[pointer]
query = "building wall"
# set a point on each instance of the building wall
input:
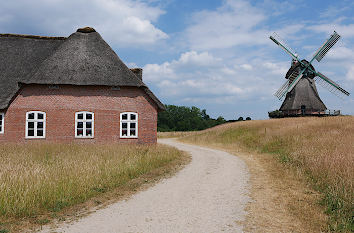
(61, 104)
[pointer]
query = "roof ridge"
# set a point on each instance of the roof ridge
(33, 36)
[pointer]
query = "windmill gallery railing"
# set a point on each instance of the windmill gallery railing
(302, 112)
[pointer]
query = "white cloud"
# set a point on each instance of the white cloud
(201, 59)
(341, 53)
(191, 78)
(276, 68)
(120, 22)
(246, 66)
(346, 31)
(156, 72)
(231, 24)
(350, 73)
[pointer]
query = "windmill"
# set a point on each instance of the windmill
(299, 90)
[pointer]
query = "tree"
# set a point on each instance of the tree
(248, 118)
(182, 118)
(240, 119)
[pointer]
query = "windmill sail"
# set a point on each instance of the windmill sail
(284, 88)
(330, 85)
(276, 39)
(327, 45)
(280, 93)
(296, 80)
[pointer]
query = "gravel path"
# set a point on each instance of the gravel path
(208, 195)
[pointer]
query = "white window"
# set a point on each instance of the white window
(35, 124)
(2, 122)
(84, 124)
(128, 125)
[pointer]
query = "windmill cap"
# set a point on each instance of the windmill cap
(86, 30)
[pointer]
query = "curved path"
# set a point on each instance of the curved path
(208, 195)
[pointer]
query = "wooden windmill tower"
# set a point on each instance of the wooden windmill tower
(301, 96)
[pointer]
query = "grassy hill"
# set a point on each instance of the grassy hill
(321, 149)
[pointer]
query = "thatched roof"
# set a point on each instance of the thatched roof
(20, 54)
(304, 93)
(83, 58)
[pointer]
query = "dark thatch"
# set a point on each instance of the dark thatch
(303, 94)
(84, 58)
(32, 36)
(20, 54)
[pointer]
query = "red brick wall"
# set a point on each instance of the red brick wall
(61, 104)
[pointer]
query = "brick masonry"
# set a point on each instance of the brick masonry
(61, 104)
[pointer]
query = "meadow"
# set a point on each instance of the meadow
(320, 149)
(42, 178)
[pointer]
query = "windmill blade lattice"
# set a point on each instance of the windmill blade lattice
(327, 45)
(330, 85)
(282, 90)
(281, 43)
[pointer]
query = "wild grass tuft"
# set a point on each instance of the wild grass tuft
(321, 148)
(37, 178)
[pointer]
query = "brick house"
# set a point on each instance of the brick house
(72, 89)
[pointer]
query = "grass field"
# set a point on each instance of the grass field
(321, 149)
(39, 178)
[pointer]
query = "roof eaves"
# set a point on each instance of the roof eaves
(32, 36)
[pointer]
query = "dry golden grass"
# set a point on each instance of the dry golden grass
(174, 134)
(321, 149)
(41, 178)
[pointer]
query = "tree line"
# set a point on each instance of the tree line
(182, 118)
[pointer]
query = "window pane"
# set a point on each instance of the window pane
(124, 132)
(124, 125)
(88, 116)
(30, 125)
(39, 133)
(40, 115)
(0, 127)
(80, 125)
(132, 117)
(0, 117)
(31, 116)
(125, 117)
(88, 132)
(132, 132)
(88, 125)
(79, 132)
(31, 132)
(39, 125)
(80, 116)
(132, 125)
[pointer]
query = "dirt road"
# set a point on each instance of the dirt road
(208, 195)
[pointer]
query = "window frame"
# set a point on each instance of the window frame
(2, 122)
(129, 121)
(36, 120)
(84, 124)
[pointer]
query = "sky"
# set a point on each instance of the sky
(212, 54)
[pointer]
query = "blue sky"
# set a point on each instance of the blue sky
(212, 54)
